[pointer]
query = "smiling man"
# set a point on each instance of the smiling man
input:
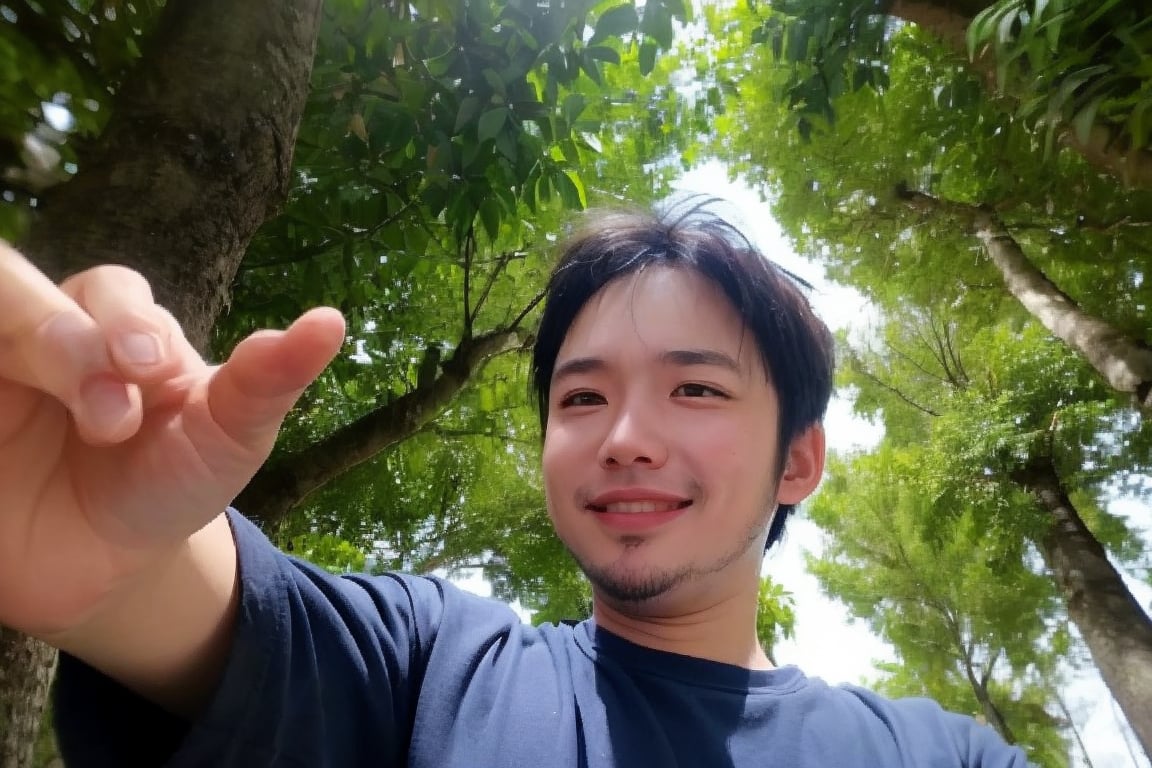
(682, 379)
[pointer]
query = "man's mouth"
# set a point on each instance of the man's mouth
(639, 507)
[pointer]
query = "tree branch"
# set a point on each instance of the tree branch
(502, 261)
(285, 481)
(469, 250)
(311, 252)
(859, 367)
(1123, 361)
(524, 312)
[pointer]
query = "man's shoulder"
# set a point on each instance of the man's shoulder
(919, 726)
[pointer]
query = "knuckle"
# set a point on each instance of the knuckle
(115, 277)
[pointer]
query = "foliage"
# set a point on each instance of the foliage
(776, 615)
(1064, 64)
(1071, 62)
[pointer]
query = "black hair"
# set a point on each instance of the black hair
(795, 345)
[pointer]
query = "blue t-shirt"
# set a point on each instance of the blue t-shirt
(400, 670)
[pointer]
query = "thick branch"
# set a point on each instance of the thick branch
(285, 482)
(1124, 362)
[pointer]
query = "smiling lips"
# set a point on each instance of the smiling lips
(636, 510)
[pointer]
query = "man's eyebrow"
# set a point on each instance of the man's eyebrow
(675, 357)
(689, 357)
(578, 365)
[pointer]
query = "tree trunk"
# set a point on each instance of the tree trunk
(197, 154)
(284, 482)
(26, 669)
(1124, 362)
(1114, 626)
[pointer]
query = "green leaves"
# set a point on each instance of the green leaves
(491, 122)
(615, 22)
(775, 615)
(940, 578)
(1074, 64)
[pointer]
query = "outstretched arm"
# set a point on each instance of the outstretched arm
(120, 447)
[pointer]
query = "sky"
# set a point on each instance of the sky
(827, 643)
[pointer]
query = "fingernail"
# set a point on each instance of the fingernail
(105, 402)
(138, 348)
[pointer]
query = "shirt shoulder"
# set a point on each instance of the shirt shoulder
(927, 734)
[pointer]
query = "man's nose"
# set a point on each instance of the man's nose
(635, 438)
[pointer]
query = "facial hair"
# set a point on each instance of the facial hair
(639, 588)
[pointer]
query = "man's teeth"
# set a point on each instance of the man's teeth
(636, 507)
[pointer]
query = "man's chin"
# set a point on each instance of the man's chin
(629, 587)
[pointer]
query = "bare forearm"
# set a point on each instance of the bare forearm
(167, 634)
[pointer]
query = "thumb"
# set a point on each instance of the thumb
(251, 393)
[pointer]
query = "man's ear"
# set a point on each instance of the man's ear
(804, 466)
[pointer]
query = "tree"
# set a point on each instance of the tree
(776, 617)
(420, 164)
(975, 627)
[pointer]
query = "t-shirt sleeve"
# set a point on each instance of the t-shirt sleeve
(927, 734)
(323, 671)
(982, 747)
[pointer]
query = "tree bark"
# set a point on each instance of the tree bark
(284, 482)
(197, 154)
(1116, 629)
(948, 22)
(1124, 362)
(26, 669)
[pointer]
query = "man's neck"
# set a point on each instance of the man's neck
(723, 631)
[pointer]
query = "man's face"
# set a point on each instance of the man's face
(660, 461)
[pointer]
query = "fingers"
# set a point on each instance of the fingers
(49, 343)
(266, 373)
(101, 345)
(138, 332)
(91, 343)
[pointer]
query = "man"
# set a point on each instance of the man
(682, 379)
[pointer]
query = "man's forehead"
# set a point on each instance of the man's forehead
(667, 308)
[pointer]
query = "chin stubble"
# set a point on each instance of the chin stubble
(635, 588)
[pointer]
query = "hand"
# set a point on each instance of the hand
(117, 440)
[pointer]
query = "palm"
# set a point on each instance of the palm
(80, 518)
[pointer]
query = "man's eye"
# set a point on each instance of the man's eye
(582, 399)
(697, 390)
